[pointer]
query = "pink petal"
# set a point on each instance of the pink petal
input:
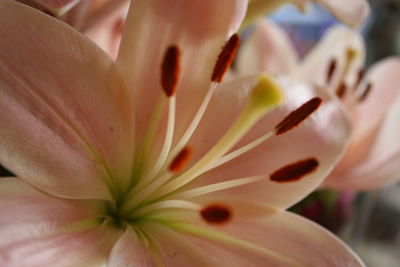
(130, 251)
(292, 238)
(370, 175)
(86, 248)
(65, 112)
(198, 29)
(385, 80)
(389, 131)
(269, 49)
(372, 158)
(333, 46)
(353, 12)
(298, 238)
(28, 213)
(57, 7)
(322, 136)
(33, 229)
(107, 34)
(180, 250)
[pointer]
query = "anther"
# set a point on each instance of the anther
(297, 116)
(118, 26)
(225, 58)
(351, 54)
(216, 214)
(180, 161)
(331, 70)
(341, 90)
(360, 76)
(170, 70)
(366, 92)
(295, 171)
(264, 96)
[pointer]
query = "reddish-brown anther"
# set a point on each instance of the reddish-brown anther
(330, 71)
(366, 92)
(360, 77)
(341, 90)
(170, 70)
(225, 58)
(181, 160)
(298, 115)
(295, 171)
(118, 26)
(216, 214)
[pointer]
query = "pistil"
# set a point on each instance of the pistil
(160, 187)
(264, 96)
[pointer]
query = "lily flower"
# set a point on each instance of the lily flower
(103, 20)
(370, 98)
(353, 13)
(104, 25)
(152, 160)
(56, 7)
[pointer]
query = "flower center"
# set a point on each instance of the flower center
(165, 185)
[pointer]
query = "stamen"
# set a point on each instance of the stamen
(331, 71)
(295, 171)
(166, 147)
(216, 214)
(264, 96)
(366, 92)
(341, 90)
(225, 58)
(180, 160)
(349, 57)
(170, 70)
(167, 204)
(140, 193)
(195, 122)
(118, 27)
(351, 54)
(234, 154)
(298, 116)
(360, 77)
(195, 192)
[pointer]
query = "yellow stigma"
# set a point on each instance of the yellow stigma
(265, 95)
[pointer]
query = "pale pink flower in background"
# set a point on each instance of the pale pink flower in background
(353, 12)
(84, 15)
(103, 20)
(106, 31)
(370, 97)
(56, 7)
(115, 166)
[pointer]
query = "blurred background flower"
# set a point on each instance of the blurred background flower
(368, 220)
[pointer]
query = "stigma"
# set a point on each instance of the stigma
(167, 177)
